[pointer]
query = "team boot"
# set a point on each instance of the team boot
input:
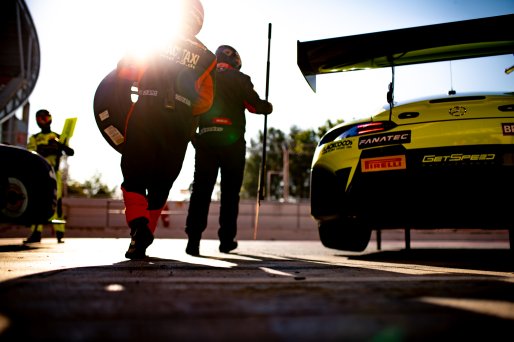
(141, 238)
(60, 237)
(193, 247)
(228, 246)
(34, 237)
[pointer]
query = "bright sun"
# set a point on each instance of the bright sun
(152, 24)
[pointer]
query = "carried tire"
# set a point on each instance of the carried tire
(28, 187)
(111, 105)
(344, 234)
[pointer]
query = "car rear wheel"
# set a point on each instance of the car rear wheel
(344, 234)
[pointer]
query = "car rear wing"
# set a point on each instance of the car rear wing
(482, 37)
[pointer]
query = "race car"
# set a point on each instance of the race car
(434, 162)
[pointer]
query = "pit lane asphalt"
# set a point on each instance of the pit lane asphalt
(85, 290)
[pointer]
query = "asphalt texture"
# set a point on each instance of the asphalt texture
(85, 290)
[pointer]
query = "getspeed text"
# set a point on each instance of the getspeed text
(457, 157)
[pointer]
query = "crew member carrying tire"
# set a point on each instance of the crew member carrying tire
(175, 87)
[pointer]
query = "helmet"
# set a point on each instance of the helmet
(192, 16)
(227, 54)
(43, 118)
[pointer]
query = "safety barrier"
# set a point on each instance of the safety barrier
(291, 221)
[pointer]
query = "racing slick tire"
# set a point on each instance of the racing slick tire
(111, 105)
(344, 234)
(28, 187)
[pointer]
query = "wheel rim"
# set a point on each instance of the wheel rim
(17, 198)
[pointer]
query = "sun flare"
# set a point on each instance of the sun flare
(152, 24)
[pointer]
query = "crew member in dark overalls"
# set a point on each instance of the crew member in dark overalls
(220, 145)
(175, 87)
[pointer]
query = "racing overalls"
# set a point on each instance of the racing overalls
(46, 143)
(220, 145)
(175, 87)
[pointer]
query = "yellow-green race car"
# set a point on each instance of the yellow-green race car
(436, 162)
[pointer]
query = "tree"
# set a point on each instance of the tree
(301, 151)
(292, 154)
(322, 130)
(93, 188)
(275, 139)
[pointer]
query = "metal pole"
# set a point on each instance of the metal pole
(285, 171)
(260, 194)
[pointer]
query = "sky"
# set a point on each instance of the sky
(82, 40)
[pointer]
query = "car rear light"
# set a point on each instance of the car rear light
(357, 130)
(371, 127)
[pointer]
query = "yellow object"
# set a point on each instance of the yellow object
(67, 131)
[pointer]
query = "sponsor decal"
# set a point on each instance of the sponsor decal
(182, 56)
(183, 99)
(222, 121)
(149, 92)
(458, 157)
(337, 145)
(210, 129)
(383, 163)
(402, 137)
(508, 128)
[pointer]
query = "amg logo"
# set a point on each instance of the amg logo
(402, 137)
(383, 163)
(508, 128)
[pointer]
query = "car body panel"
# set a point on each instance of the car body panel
(423, 131)
(453, 171)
